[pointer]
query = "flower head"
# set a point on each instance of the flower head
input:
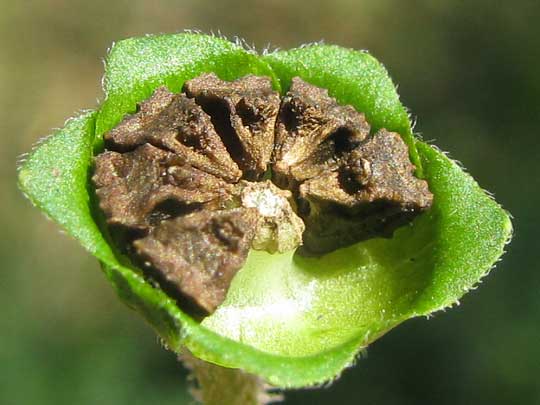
(295, 320)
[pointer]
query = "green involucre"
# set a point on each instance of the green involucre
(294, 321)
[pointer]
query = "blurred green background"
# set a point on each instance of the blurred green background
(468, 70)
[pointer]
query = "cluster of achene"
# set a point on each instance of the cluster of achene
(198, 178)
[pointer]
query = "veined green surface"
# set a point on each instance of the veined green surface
(294, 321)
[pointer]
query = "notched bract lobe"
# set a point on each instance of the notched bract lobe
(187, 177)
(244, 112)
(201, 252)
(131, 186)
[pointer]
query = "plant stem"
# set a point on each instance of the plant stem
(218, 385)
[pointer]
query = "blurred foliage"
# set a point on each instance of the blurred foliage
(468, 71)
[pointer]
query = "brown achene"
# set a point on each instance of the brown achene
(199, 178)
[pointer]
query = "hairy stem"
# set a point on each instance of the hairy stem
(216, 385)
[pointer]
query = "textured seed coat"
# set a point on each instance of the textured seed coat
(186, 177)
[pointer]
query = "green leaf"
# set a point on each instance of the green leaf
(295, 321)
(54, 178)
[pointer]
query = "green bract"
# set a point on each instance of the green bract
(295, 321)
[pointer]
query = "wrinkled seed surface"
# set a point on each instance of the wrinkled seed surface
(198, 178)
